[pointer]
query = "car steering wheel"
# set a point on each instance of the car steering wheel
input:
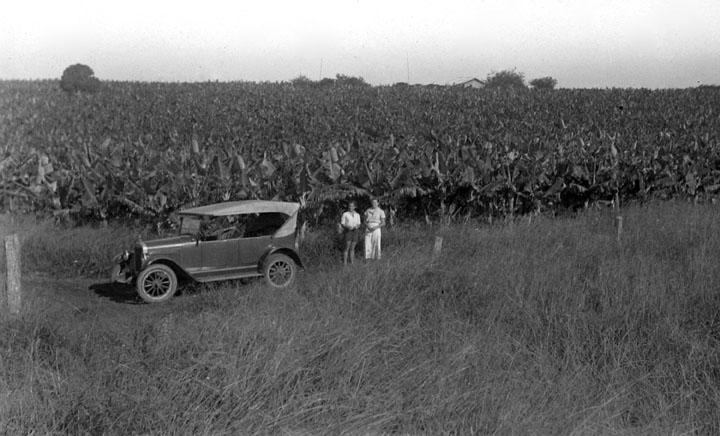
(226, 233)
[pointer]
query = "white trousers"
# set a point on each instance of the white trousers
(372, 244)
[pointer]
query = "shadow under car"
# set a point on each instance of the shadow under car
(118, 292)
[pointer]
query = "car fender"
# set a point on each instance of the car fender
(179, 271)
(281, 250)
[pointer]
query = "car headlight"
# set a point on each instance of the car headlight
(122, 257)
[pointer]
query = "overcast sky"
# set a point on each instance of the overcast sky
(588, 43)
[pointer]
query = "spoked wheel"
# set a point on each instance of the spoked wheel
(279, 271)
(157, 283)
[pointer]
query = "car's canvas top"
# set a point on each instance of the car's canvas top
(242, 207)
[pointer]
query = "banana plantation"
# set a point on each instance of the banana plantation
(144, 150)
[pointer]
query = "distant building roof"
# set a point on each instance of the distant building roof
(472, 83)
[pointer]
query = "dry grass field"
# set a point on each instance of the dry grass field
(546, 327)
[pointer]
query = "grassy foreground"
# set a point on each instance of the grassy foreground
(548, 327)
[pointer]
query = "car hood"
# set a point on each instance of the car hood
(175, 241)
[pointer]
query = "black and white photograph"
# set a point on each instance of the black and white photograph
(360, 217)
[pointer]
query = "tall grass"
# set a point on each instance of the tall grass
(549, 327)
(68, 251)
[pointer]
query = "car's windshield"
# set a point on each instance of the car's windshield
(190, 225)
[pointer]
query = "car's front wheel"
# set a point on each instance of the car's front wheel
(157, 283)
(279, 271)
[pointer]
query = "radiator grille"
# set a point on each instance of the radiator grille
(138, 257)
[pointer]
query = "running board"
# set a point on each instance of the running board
(234, 276)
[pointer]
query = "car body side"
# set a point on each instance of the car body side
(210, 260)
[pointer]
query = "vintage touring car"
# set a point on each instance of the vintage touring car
(223, 241)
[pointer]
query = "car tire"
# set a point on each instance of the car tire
(279, 271)
(157, 283)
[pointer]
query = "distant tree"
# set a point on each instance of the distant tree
(543, 83)
(326, 82)
(339, 80)
(344, 80)
(79, 78)
(505, 79)
(301, 81)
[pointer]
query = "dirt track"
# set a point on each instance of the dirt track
(94, 297)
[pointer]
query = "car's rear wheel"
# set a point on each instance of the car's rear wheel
(157, 283)
(279, 271)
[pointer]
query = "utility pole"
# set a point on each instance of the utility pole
(407, 63)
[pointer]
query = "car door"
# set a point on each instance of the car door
(220, 255)
(191, 258)
(258, 237)
(250, 250)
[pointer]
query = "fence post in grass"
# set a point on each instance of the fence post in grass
(11, 280)
(437, 247)
(3, 266)
(615, 157)
(512, 210)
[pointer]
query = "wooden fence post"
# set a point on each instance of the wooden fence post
(437, 248)
(3, 278)
(11, 282)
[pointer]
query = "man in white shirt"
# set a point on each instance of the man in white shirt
(350, 223)
(374, 221)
